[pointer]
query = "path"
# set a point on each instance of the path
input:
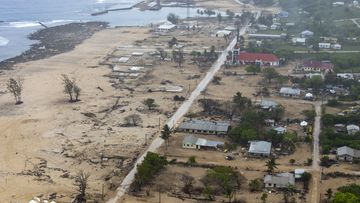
(355, 22)
(184, 108)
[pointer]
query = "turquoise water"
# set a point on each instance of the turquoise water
(19, 18)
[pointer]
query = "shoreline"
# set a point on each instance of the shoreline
(55, 40)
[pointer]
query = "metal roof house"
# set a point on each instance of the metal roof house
(280, 130)
(281, 180)
(290, 92)
(347, 154)
(191, 142)
(166, 27)
(268, 104)
(206, 127)
(352, 129)
(306, 34)
(259, 149)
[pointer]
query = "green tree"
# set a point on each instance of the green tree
(226, 179)
(253, 69)
(173, 18)
(191, 161)
(306, 177)
(264, 197)
(270, 74)
(255, 185)
(152, 164)
(241, 103)
(316, 82)
(230, 14)
(150, 103)
(208, 192)
(292, 161)
(219, 18)
(347, 197)
(271, 165)
(165, 135)
(178, 56)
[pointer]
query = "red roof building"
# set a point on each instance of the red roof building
(258, 58)
(317, 66)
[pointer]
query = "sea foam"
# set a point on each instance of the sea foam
(3, 41)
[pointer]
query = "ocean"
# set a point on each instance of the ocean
(19, 18)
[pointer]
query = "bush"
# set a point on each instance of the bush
(333, 102)
(179, 98)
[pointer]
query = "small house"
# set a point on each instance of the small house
(269, 122)
(338, 3)
(262, 27)
(309, 96)
(205, 127)
(290, 92)
(340, 128)
(323, 45)
(347, 76)
(336, 46)
(268, 105)
(347, 154)
(222, 33)
(166, 27)
(306, 34)
(259, 149)
(282, 180)
(191, 142)
(298, 41)
(279, 130)
(352, 129)
(299, 173)
(283, 14)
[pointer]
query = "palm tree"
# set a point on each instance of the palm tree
(271, 165)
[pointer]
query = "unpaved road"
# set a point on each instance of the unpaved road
(184, 108)
(316, 155)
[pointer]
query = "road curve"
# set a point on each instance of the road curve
(184, 108)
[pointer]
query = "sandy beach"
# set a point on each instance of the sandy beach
(50, 136)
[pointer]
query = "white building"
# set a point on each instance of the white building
(348, 76)
(306, 34)
(352, 129)
(299, 41)
(323, 45)
(282, 180)
(336, 46)
(290, 92)
(191, 142)
(166, 27)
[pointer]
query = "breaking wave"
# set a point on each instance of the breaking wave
(3, 41)
(26, 24)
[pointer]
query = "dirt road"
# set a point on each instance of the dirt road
(316, 176)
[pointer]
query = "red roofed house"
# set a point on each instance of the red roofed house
(316, 66)
(258, 58)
